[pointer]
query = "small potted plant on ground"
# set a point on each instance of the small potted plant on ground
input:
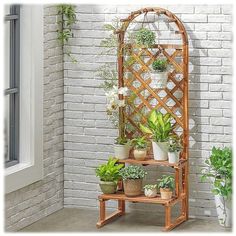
(219, 171)
(132, 180)
(145, 37)
(174, 148)
(122, 148)
(166, 186)
(150, 190)
(140, 148)
(160, 128)
(109, 175)
(159, 74)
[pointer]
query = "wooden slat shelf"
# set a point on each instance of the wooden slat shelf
(141, 198)
(151, 161)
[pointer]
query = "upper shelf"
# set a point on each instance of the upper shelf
(151, 161)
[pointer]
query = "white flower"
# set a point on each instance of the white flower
(121, 103)
(124, 91)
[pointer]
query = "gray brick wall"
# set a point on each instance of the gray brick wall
(31, 203)
(89, 135)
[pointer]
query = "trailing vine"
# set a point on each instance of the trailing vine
(68, 18)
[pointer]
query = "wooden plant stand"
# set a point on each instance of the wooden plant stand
(134, 62)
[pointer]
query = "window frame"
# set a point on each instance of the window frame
(13, 91)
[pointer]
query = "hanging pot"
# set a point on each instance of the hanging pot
(159, 80)
(121, 151)
(160, 150)
(224, 211)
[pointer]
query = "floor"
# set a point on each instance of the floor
(84, 220)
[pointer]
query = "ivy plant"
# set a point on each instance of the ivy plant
(145, 37)
(132, 172)
(219, 171)
(68, 18)
(166, 181)
(109, 172)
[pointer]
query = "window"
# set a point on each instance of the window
(12, 80)
(24, 146)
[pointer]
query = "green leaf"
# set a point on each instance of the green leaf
(145, 129)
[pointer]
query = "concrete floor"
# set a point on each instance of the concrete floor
(84, 220)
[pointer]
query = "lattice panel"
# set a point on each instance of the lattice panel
(143, 98)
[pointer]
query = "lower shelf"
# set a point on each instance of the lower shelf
(141, 198)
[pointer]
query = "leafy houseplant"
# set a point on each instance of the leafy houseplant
(159, 74)
(150, 190)
(132, 179)
(122, 148)
(219, 172)
(174, 148)
(109, 175)
(159, 128)
(145, 37)
(166, 186)
(140, 148)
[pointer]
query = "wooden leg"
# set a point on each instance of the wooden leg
(167, 217)
(103, 219)
(121, 206)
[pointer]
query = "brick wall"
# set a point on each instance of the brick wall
(88, 134)
(29, 204)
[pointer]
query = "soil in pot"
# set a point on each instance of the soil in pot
(108, 187)
(132, 187)
(140, 154)
(166, 193)
(121, 151)
(160, 150)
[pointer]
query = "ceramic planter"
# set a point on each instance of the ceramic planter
(166, 193)
(150, 192)
(159, 80)
(132, 187)
(160, 150)
(121, 151)
(224, 216)
(108, 187)
(140, 154)
(173, 157)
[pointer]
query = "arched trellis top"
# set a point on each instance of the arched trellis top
(171, 18)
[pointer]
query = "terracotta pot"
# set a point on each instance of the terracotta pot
(160, 150)
(132, 187)
(108, 187)
(150, 192)
(140, 154)
(121, 151)
(166, 193)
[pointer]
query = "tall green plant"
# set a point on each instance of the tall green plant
(68, 18)
(219, 171)
(158, 126)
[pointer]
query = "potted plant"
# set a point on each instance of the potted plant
(122, 148)
(219, 172)
(174, 148)
(140, 148)
(160, 128)
(109, 175)
(166, 186)
(145, 37)
(132, 180)
(150, 190)
(159, 73)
